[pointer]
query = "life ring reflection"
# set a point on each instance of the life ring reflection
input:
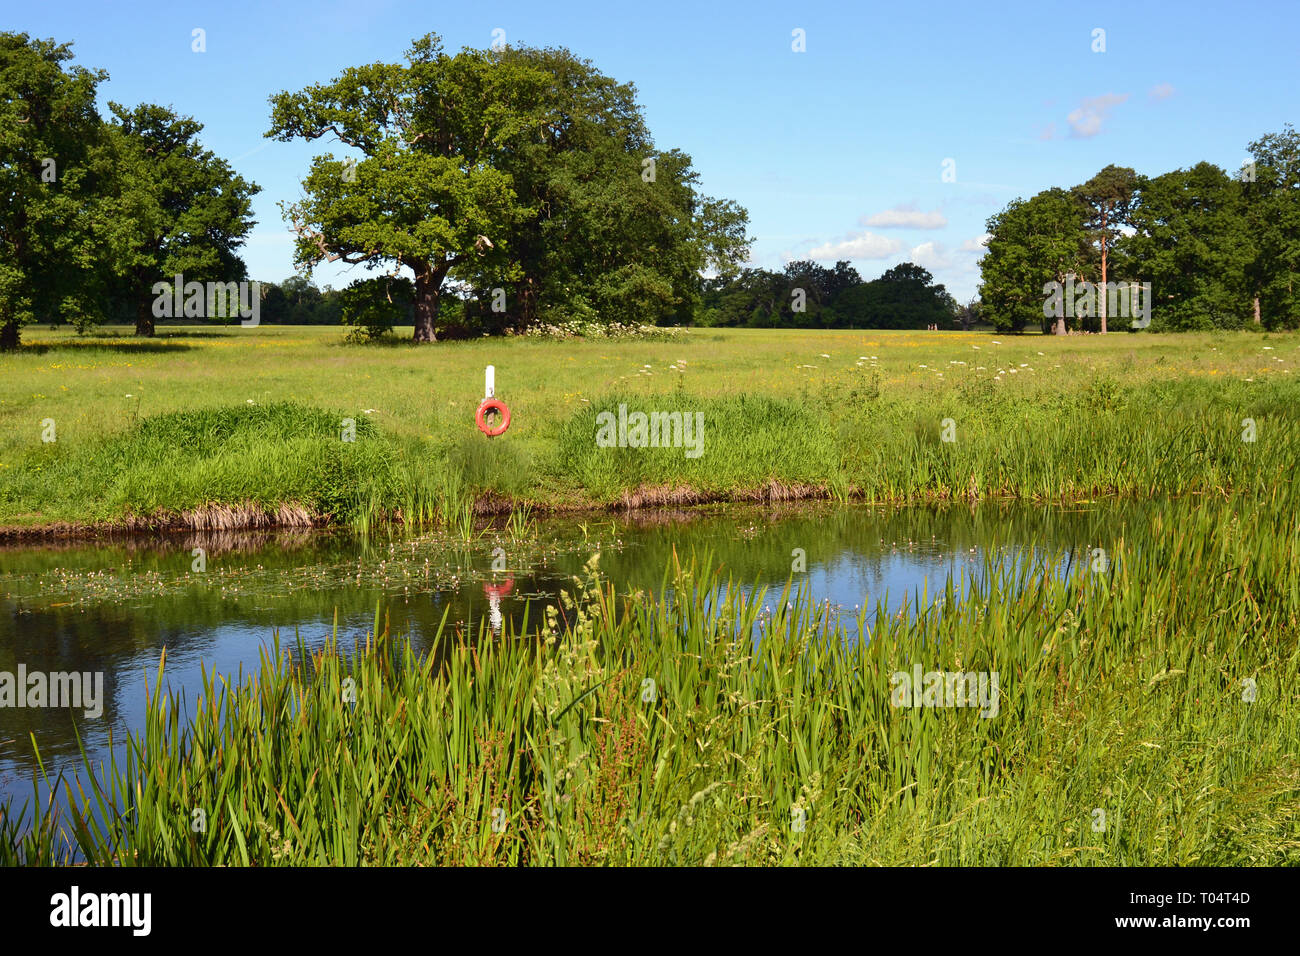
(495, 592)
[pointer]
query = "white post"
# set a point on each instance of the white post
(490, 382)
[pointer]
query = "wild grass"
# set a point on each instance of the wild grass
(786, 415)
(1149, 714)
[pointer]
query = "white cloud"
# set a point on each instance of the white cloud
(862, 245)
(905, 216)
(1161, 91)
(938, 257)
(933, 255)
(1087, 119)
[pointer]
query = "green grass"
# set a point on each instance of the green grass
(253, 455)
(745, 440)
(1067, 418)
(1164, 691)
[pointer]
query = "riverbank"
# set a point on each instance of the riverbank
(225, 428)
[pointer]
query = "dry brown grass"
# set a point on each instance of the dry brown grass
(670, 496)
(210, 518)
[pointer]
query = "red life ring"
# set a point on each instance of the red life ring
(499, 590)
(492, 404)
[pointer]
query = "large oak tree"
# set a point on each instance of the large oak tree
(425, 195)
(514, 169)
(621, 230)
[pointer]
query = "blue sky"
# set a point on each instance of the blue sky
(837, 152)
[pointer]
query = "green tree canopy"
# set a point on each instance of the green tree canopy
(622, 230)
(904, 297)
(425, 194)
(1032, 242)
(514, 169)
(1273, 204)
(1219, 251)
(180, 209)
(1193, 243)
(51, 175)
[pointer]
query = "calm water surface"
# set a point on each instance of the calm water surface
(111, 608)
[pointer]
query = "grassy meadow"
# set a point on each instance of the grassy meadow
(218, 427)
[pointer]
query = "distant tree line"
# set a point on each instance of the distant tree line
(809, 296)
(1219, 251)
(297, 301)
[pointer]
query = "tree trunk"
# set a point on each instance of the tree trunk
(9, 336)
(1059, 327)
(1257, 322)
(428, 292)
(144, 318)
(526, 296)
(1102, 289)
